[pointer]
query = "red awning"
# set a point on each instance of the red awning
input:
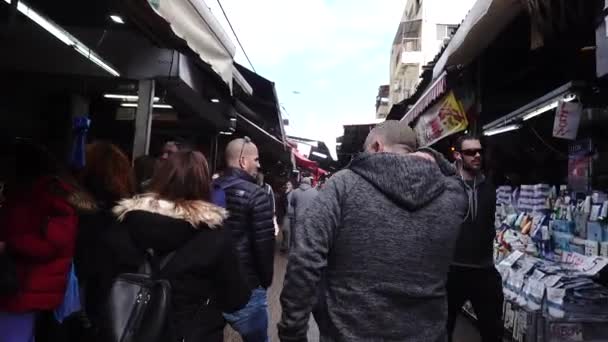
(434, 91)
(304, 162)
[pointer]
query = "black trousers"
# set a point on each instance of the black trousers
(483, 288)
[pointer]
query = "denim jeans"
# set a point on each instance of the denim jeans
(251, 322)
(17, 327)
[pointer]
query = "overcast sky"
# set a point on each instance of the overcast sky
(327, 57)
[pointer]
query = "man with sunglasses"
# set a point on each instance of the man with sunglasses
(252, 227)
(472, 276)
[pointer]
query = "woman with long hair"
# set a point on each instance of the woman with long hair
(177, 216)
(38, 224)
(108, 178)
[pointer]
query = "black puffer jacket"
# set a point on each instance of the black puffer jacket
(250, 221)
(204, 267)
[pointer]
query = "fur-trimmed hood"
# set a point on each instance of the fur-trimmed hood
(193, 212)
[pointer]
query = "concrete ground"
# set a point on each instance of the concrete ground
(465, 331)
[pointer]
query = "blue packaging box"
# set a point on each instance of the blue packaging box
(563, 226)
(595, 231)
(561, 241)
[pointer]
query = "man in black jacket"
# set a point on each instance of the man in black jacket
(473, 276)
(251, 224)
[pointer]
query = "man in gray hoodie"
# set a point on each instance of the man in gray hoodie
(373, 252)
(300, 200)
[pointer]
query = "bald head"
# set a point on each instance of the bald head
(243, 154)
(391, 136)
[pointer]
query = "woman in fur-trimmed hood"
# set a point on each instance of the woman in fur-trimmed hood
(177, 216)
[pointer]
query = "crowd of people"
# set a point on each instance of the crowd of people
(389, 249)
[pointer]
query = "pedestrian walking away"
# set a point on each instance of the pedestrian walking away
(300, 200)
(288, 218)
(251, 223)
(473, 276)
(373, 251)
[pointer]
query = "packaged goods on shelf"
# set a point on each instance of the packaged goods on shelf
(547, 299)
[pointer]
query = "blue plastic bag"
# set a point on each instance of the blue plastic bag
(71, 300)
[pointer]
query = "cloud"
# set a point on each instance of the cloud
(334, 52)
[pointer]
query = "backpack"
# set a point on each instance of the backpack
(138, 305)
(219, 190)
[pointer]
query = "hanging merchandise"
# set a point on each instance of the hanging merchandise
(443, 119)
(579, 165)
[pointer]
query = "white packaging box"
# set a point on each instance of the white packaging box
(592, 248)
(604, 249)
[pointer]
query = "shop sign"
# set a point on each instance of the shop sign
(567, 119)
(443, 119)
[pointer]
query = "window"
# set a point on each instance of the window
(445, 31)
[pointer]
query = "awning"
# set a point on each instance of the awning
(480, 27)
(433, 92)
(304, 162)
(192, 21)
(547, 102)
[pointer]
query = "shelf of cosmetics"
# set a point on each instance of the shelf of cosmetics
(554, 223)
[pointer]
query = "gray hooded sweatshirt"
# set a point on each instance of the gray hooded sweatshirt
(301, 199)
(381, 234)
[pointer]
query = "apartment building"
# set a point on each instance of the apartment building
(383, 102)
(425, 27)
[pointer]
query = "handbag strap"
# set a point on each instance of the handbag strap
(166, 260)
(149, 266)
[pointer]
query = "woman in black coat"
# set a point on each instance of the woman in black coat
(177, 216)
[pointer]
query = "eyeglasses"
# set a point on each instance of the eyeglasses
(472, 152)
(246, 140)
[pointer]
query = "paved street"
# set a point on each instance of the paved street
(465, 331)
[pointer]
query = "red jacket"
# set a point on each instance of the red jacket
(39, 227)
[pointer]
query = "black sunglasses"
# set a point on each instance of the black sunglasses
(472, 152)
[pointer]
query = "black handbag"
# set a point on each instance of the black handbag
(138, 305)
(9, 283)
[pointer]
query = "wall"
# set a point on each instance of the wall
(431, 13)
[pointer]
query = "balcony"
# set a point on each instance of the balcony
(409, 55)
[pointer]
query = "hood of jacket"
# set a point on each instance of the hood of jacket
(196, 213)
(305, 186)
(410, 181)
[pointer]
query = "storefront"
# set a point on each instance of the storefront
(144, 72)
(540, 108)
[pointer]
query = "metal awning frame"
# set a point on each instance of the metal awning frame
(517, 115)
